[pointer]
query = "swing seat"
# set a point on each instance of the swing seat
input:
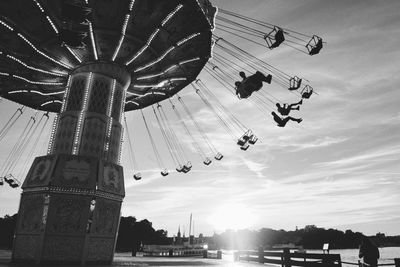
(294, 83)
(179, 168)
(248, 135)
(1, 181)
(137, 176)
(207, 161)
(186, 169)
(9, 179)
(219, 156)
(188, 165)
(252, 84)
(307, 92)
(14, 185)
(164, 172)
(253, 140)
(241, 141)
(274, 38)
(315, 45)
(245, 147)
(242, 91)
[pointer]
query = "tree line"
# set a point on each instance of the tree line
(133, 233)
(310, 237)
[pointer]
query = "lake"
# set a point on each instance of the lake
(351, 255)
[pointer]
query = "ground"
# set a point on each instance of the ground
(125, 259)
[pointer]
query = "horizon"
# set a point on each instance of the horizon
(337, 169)
(184, 234)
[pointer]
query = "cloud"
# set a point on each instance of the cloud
(380, 155)
(256, 167)
(339, 166)
(302, 144)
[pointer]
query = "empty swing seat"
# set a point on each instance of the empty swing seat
(219, 156)
(137, 176)
(9, 179)
(164, 172)
(187, 167)
(294, 83)
(245, 147)
(315, 45)
(253, 140)
(274, 38)
(207, 161)
(179, 168)
(307, 92)
(248, 135)
(241, 141)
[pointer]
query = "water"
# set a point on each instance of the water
(351, 255)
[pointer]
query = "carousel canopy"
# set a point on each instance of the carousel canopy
(163, 44)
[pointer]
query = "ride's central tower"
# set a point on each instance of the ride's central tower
(88, 62)
(70, 206)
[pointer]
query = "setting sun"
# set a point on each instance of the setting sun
(232, 216)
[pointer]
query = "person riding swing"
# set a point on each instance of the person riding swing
(250, 84)
(315, 45)
(275, 38)
(285, 109)
(282, 121)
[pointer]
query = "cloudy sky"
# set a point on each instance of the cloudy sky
(339, 168)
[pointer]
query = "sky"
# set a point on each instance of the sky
(338, 169)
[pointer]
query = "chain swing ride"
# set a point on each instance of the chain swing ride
(85, 63)
(45, 77)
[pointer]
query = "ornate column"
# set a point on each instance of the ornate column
(70, 206)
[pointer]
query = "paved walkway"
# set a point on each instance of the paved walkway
(124, 259)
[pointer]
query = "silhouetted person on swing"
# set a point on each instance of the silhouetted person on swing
(282, 121)
(315, 49)
(250, 84)
(279, 39)
(369, 252)
(285, 109)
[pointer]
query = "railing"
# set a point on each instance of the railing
(286, 258)
(289, 259)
